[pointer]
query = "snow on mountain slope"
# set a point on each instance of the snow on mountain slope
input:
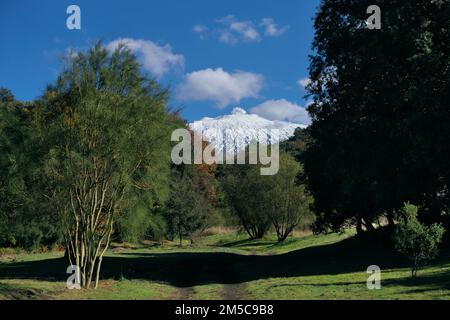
(233, 132)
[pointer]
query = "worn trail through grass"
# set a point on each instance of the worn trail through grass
(229, 266)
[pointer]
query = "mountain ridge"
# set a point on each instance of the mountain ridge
(232, 132)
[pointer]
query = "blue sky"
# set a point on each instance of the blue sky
(213, 55)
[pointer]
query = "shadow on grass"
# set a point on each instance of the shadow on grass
(423, 283)
(16, 293)
(247, 243)
(190, 269)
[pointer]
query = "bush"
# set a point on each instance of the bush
(28, 230)
(134, 224)
(415, 240)
(157, 228)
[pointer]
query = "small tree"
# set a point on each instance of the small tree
(106, 130)
(246, 193)
(188, 208)
(289, 202)
(417, 241)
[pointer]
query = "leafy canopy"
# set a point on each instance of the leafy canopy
(416, 240)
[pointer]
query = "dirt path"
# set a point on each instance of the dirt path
(24, 294)
(234, 291)
(183, 294)
(233, 286)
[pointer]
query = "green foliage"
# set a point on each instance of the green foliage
(245, 189)
(24, 220)
(297, 144)
(103, 117)
(104, 131)
(188, 208)
(141, 223)
(380, 113)
(415, 240)
(288, 201)
(260, 201)
(12, 187)
(157, 228)
(134, 224)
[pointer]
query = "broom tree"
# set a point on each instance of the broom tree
(107, 133)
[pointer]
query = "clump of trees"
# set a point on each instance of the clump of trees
(261, 202)
(379, 133)
(415, 240)
(89, 163)
(26, 220)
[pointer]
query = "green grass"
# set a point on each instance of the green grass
(229, 266)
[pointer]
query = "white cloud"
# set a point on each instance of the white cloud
(246, 29)
(282, 110)
(200, 28)
(237, 30)
(227, 37)
(272, 29)
(233, 30)
(158, 60)
(304, 82)
(220, 86)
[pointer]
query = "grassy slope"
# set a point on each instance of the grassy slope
(227, 266)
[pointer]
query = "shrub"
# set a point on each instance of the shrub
(416, 240)
(134, 224)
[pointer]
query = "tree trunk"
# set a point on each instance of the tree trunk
(359, 228)
(87, 241)
(283, 237)
(97, 276)
(369, 226)
(390, 218)
(415, 267)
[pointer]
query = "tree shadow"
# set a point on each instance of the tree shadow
(17, 293)
(190, 269)
(422, 283)
(247, 243)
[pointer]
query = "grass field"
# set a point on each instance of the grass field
(228, 266)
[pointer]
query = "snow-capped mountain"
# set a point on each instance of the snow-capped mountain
(233, 132)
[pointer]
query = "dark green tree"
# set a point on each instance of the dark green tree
(12, 184)
(190, 206)
(379, 111)
(25, 221)
(297, 144)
